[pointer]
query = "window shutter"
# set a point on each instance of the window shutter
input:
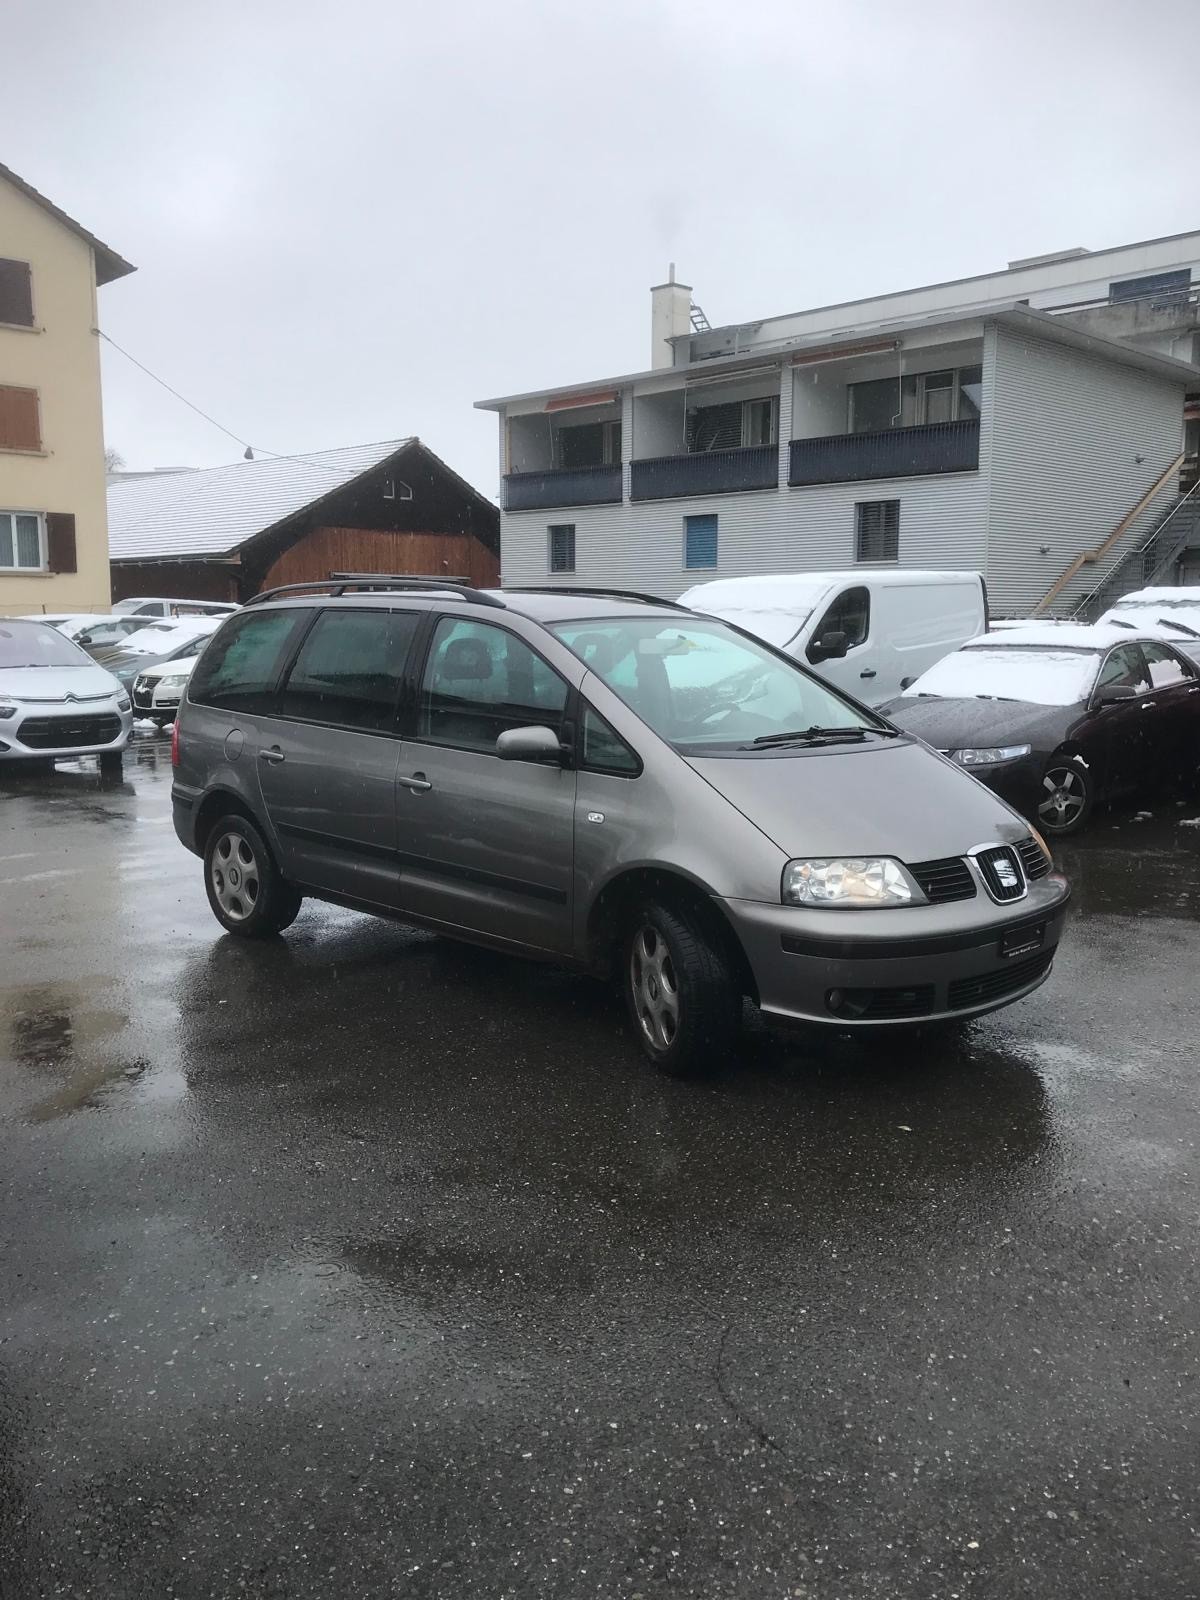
(16, 293)
(20, 425)
(60, 541)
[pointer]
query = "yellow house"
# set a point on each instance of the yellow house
(53, 520)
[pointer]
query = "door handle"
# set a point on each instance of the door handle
(418, 783)
(1149, 705)
(867, 672)
(274, 755)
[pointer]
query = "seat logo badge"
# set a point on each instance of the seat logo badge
(1006, 873)
(595, 816)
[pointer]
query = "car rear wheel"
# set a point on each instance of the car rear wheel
(680, 992)
(1067, 796)
(247, 895)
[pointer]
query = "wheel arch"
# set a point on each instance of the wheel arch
(610, 911)
(222, 802)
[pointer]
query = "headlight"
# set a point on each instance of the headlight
(172, 680)
(123, 703)
(988, 758)
(8, 708)
(857, 881)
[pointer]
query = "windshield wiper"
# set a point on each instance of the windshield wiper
(1181, 627)
(819, 735)
(1009, 699)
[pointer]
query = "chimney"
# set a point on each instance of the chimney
(670, 315)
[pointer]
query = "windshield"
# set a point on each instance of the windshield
(703, 687)
(1043, 676)
(32, 644)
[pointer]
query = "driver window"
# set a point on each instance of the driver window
(850, 614)
(480, 681)
(1125, 668)
(1167, 670)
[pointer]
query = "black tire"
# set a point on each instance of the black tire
(680, 992)
(112, 765)
(1070, 794)
(247, 895)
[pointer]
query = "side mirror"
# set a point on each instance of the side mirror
(830, 646)
(530, 744)
(84, 640)
(1114, 694)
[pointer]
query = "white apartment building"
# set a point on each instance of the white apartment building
(1038, 424)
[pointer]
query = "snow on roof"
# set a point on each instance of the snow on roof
(1180, 595)
(213, 511)
(1054, 636)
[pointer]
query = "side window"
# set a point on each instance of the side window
(604, 750)
(349, 668)
(1167, 670)
(850, 614)
(1125, 668)
(239, 667)
(480, 681)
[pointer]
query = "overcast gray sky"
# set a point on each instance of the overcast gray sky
(353, 219)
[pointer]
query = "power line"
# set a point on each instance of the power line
(165, 385)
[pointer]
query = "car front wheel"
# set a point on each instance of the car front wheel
(1067, 796)
(680, 992)
(247, 895)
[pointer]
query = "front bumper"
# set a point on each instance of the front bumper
(1019, 782)
(51, 732)
(862, 969)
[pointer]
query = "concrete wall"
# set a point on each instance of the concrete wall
(1074, 443)
(59, 358)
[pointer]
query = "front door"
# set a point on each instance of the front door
(486, 845)
(857, 670)
(1118, 733)
(328, 757)
(1172, 714)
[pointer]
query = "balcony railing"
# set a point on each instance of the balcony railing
(562, 486)
(891, 453)
(705, 472)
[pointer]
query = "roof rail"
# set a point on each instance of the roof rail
(338, 583)
(601, 594)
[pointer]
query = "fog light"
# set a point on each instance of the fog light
(834, 1000)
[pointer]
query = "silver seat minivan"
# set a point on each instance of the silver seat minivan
(612, 782)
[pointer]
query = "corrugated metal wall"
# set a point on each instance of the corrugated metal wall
(788, 530)
(1062, 458)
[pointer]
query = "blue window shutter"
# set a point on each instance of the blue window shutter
(700, 541)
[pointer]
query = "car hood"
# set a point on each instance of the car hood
(56, 683)
(889, 799)
(980, 724)
(169, 669)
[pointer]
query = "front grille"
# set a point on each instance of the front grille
(1001, 871)
(1033, 859)
(67, 733)
(881, 1005)
(143, 694)
(966, 992)
(945, 880)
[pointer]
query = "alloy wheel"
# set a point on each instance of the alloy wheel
(1064, 798)
(655, 987)
(235, 875)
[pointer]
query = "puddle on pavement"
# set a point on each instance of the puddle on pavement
(84, 1089)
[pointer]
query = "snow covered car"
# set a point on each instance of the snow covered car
(159, 641)
(93, 630)
(55, 701)
(1058, 719)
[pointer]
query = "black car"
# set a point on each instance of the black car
(1058, 718)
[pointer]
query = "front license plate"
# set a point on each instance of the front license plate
(1022, 941)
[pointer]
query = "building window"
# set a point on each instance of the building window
(733, 426)
(16, 293)
(22, 542)
(588, 444)
(20, 421)
(700, 541)
(877, 530)
(1157, 286)
(562, 547)
(918, 399)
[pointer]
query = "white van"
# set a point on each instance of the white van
(870, 633)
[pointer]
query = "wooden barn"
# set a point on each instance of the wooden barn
(224, 533)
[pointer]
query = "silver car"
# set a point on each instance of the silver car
(610, 782)
(55, 701)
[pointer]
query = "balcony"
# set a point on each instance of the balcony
(562, 486)
(891, 453)
(705, 472)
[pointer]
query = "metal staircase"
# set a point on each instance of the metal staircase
(1177, 530)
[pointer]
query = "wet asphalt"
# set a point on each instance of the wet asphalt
(362, 1264)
